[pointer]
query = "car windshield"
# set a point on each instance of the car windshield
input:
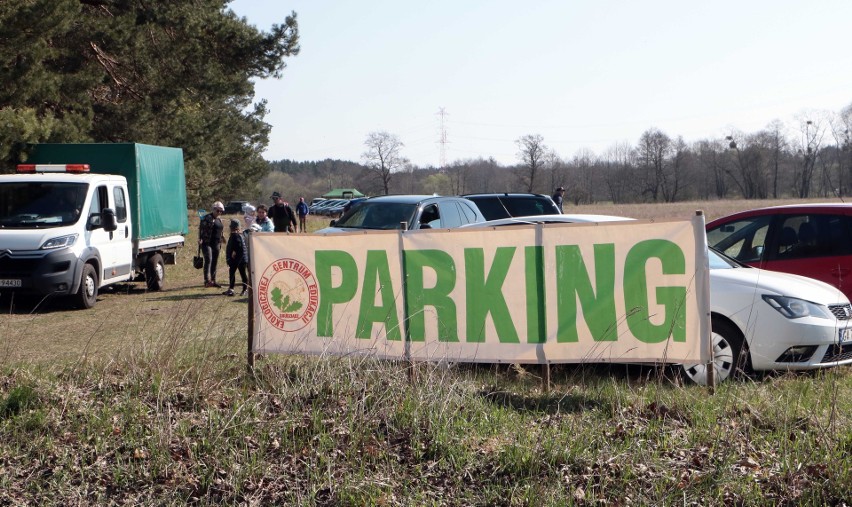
(496, 207)
(38, 205)
(721, 261)
(377, 215)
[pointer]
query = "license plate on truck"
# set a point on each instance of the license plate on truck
(845, 336)
(7, 282)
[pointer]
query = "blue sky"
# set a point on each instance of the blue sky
(583, 74)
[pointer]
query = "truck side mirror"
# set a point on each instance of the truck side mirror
(108, 219)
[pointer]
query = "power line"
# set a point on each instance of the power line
(443, 139)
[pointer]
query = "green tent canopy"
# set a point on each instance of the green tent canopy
(342, 193)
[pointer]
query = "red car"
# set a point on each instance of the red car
(813, 240)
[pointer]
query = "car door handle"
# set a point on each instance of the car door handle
(840, 272)
(126, 231)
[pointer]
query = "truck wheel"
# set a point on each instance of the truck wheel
(155, 273)
(87, 295)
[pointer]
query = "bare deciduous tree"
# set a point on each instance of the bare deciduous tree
(584, 171)
(531, 153)
(747, 170)
(812, 132)
(711, 161)
(654, 148)
(618, 167)
(383, 157)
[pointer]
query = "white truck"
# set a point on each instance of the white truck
(78, 217)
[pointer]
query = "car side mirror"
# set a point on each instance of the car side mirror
(108, 219)
(425, 226)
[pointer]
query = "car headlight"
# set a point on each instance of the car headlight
(60, 242)
(795, 308)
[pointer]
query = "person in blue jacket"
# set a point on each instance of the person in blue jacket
(302, 210)
(262, 223)
(237, 258)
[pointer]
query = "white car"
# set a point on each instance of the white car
(761, 320)
(550, 219)
(765, 320)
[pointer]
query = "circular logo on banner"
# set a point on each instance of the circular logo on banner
(288, 294)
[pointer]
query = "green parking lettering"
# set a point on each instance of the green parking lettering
(377, 278)
(536, 308)
(324, 261)
(636, 291)
(573, 283)
(484, 295)
(418, 297)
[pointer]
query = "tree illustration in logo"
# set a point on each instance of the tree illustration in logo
(283, 302)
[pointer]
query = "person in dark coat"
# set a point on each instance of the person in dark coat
(558, 197)
(210, 239)
(282, 214)
(237, 258)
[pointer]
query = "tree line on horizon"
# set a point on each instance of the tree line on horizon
(809, 157)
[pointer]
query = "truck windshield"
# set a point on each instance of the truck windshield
(38, 205)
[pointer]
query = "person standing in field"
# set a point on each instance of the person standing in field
(302, 210)
(210, 238)
(236, 255)
(559, 197)
(282, 214)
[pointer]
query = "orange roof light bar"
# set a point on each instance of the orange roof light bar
(53, 168)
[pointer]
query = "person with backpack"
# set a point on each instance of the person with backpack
(282, 214)
(210, 238)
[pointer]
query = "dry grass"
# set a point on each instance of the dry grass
(684, 210)
(146, 400)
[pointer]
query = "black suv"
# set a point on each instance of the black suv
(235, 207)
(497, 206)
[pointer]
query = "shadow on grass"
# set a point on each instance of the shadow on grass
(562, 397)
(183, 297)
(12, 303)
(28, 304)
(552, 403)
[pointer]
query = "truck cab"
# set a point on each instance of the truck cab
(53, 234)
(67, 231)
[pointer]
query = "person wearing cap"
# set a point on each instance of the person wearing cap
(282, 214)
(558, 197)
(236, 255)
(210, 238)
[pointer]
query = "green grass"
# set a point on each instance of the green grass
(146, 399)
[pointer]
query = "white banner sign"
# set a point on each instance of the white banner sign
(608, 292)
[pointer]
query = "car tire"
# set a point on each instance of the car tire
(155, 273)
(730, 357)
(87, 294)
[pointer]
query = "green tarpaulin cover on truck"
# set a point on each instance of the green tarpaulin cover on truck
(155, 179)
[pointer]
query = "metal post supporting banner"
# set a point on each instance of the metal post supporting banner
(711, 366)
(250, 353)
